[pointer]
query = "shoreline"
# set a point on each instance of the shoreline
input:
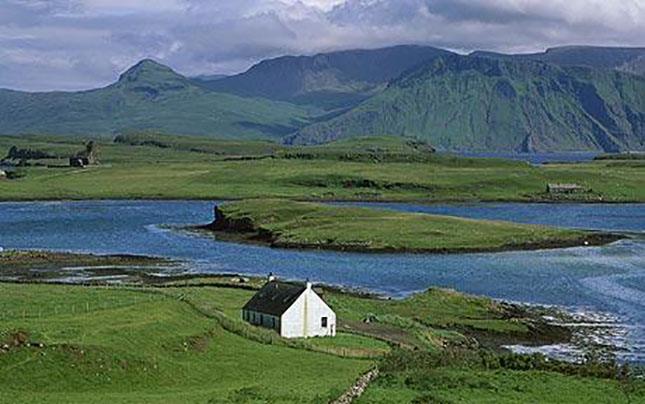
(594, 239)
(549, 325)
(538, 333)
(416, 201)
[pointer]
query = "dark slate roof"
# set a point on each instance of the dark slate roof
(275, 298)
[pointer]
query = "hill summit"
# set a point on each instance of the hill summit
(151, 77)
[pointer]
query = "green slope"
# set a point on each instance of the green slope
(148, 96)
(105, 345)
(476, 103)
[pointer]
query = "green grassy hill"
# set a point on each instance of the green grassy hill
(148, 96)
(126, 346)
(471, 103)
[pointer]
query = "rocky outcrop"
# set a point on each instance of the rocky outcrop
(228, 224)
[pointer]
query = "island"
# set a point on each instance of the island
(308, 225)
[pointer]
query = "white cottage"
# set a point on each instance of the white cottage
(294, 310)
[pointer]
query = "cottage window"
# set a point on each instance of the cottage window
(273, 321)
(323, 322)
(261, 319)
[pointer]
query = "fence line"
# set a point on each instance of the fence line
(79, 307)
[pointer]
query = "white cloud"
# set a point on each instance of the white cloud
(73, 44)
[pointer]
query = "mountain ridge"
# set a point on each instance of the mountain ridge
(625, 59)
(330, 80)
(480, 103)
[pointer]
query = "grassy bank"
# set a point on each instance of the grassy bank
(289, 224)
(81, 344)
(375, 168)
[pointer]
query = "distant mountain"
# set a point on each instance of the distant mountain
(571, 98)
(629, 60)
(502, 104)
(329, 80)
(147, 96)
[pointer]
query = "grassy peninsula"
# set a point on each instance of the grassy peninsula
(290, 224)
(373, 168)
(30, 265)
(35, 259)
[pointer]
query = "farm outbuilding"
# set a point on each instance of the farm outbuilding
(563, 188)
(79, 162)
(293, 310)
(3, 175)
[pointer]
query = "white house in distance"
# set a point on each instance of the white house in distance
(294, 310)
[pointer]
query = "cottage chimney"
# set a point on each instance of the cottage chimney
(271, 277)
(309, 285)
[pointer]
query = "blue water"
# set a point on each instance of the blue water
(629, 217)
(535, 158)
(609, 279)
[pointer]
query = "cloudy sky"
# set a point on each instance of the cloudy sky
(79, 44)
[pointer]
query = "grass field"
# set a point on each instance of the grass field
(311, 225)
(80, 344)
(460, 376)
(459, 385)
(129, 347)
(375, 168)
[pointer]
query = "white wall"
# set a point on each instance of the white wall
(293, 319)
(303, 318)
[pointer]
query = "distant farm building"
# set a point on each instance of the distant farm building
(563, 188)
(90, 155)
(3, 175)
(293, 310)
(79, 162)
